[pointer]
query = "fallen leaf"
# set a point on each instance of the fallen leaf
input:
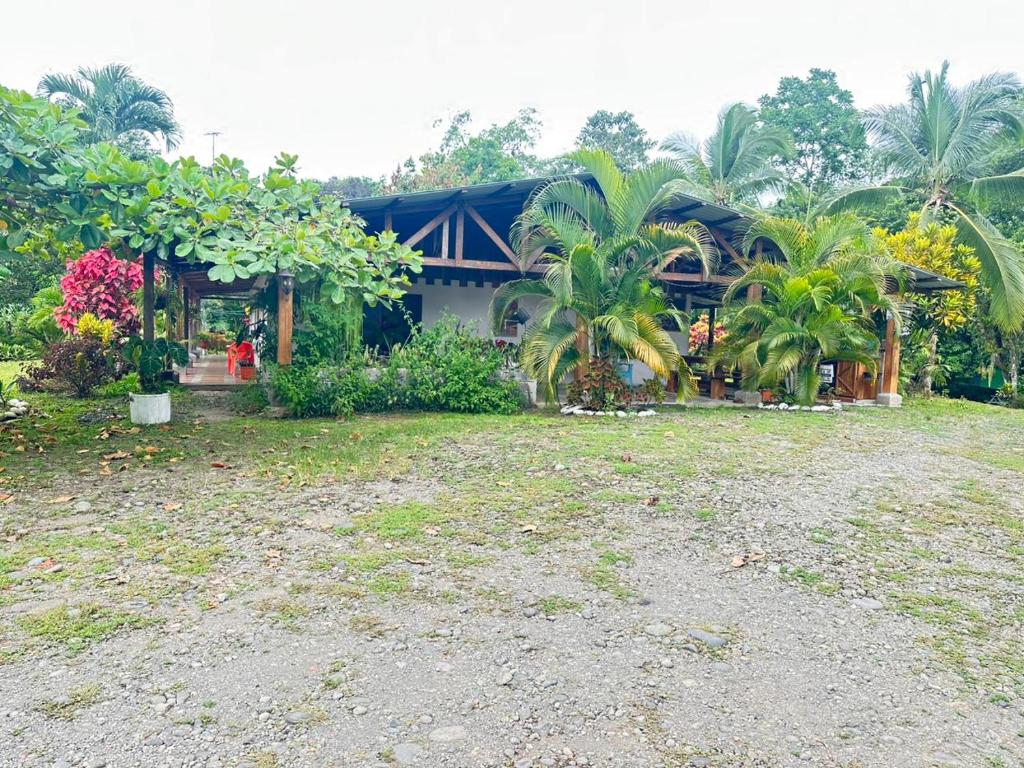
(84, 450)
(171, 506)
(651, 501)
(528, 528)
(218, 465)
(116, 455)
(739, 561)
(5, 497)
(416, 561)
(627, 458)
(62, 499)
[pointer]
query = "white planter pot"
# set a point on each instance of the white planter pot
(150, 409)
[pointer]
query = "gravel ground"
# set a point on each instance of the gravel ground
(732, 590)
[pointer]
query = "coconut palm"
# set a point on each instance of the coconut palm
(118, 107)
(734, 166)
(817, 302)
(942, 145)
(603, 249)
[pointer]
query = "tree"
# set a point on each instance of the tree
(933, 247)
(237, 224)
(734, 165)
(941, 145)
(618, 134)
(498, 153)
(817, 303)
(118, 107)
(350, 187)
(830, 147)
(603, 249)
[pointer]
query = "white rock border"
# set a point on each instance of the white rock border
(579, 410)
(836, 406)
(15, 410)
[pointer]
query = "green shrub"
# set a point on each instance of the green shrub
(252, 398)
(16, 352)
(122, 387)
(445, 368)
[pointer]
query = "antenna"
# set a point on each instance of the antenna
(213, 144)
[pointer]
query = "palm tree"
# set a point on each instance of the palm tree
(118, 107)
(942, 145)
(817, 303)
(734, 166)
(603, 249)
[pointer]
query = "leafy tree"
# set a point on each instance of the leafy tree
(933, 247)
(618, 134)
(350, 187)
(941, 145)
(817, 303)
(736, 164)
(238, 224)
(498, 153)
(603, 249)
(830, 147)
(118, 107)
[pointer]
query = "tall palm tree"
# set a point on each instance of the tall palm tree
(118, 107)
(942, 145)
(734, 166)
(603, 249)
(817, 302)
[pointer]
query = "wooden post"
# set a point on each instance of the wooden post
(186, 315)
(180, 326)
(444, 239)
(285, 289)
(148, 296)
(888, 385)
(460, 233)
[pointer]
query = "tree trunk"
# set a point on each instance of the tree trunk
(582, 347)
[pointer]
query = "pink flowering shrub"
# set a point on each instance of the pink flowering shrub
(99, 283)
(699, 333)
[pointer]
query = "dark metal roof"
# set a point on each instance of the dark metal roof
(923, 281)
(498, 191)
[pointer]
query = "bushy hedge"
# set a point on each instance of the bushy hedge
(444, 368)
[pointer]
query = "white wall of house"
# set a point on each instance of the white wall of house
(470, 303)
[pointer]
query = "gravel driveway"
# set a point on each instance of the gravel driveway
(733, 589)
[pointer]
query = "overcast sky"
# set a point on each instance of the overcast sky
(355, 87)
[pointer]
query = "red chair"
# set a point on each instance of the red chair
(245, 357)
(232, 351)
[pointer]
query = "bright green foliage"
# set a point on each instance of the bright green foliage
(239, 224)
(829, 141)
(941, 145)
(618, 134)
(603, 251)
(817, 303)
(735, 165)
(444, 368)
(498, 153)
(151, 358)
(118, 107)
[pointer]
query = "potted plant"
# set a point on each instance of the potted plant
(247, 370)
(151, 359)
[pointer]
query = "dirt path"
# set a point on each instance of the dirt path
(564, 596)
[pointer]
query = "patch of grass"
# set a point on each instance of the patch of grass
(555, 604)
(67, 707)
(705, 514)
(627, 468)
(79, 626)
(941, 611)
(385, 585)
(286, 613)
(462, 560)
(810, 579)
(402, 522)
